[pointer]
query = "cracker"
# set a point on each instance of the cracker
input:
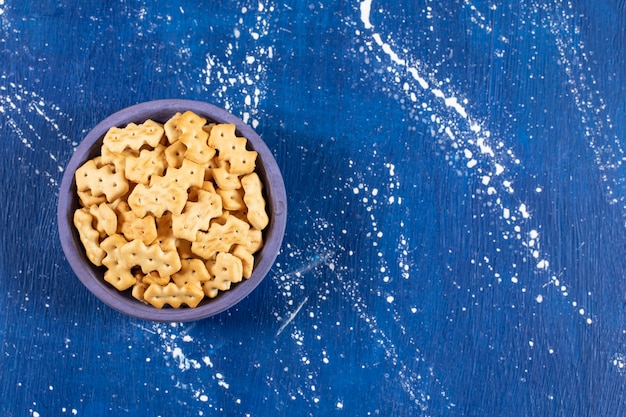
(254, 240)
(105, 219)
(89, 237)
(151, 258)
(167, 193)
(232, 149)
(192, 270)
(232, 200)
(135, 227)
(87, 200)
(118, 271)
(157, 199)
(173, 211)
(165, 237)
(139, 289)
(197, 216)
(224, 178)
(116, 159)
(154, 278)
(194, 137)
(133, 136)
(171, 130)
(190, 294)
(220, 237)
(253, 197)
(175, 154)
(149, 163)
(225, 270)
(101, 181)
(247, 259)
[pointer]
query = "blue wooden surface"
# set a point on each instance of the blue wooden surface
(456, 242)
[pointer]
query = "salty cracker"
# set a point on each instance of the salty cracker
(135, 227)
(253, 197)
(166, 193)
(220, 237)
(153, 278)
(116, 159)
(105, 219)
(118, 271)
(139, 288)
(189, 174)
(247, 259)
(254, 240)
(197, 215)
(190, 294)
(194, 137)
(151, 258)
(101, 181)
(175, 154)
(165, 237)
(89, 236)
(187, 128)
(171, 128)
(225, 270)
(192, 270)
(224, 178)
(88, 200)
(232, 200)
(149, 163)
(157, 199)
(133, 136)
(232, 148)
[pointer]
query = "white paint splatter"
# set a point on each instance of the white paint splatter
(609, 153)
(473, 136)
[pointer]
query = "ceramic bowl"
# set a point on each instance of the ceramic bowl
(92, 276)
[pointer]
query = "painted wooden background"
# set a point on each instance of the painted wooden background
(455, 171)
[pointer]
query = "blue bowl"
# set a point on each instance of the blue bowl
(93, 276)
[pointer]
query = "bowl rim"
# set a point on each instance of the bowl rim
(90, 275)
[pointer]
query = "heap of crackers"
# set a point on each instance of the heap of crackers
(174, 211)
